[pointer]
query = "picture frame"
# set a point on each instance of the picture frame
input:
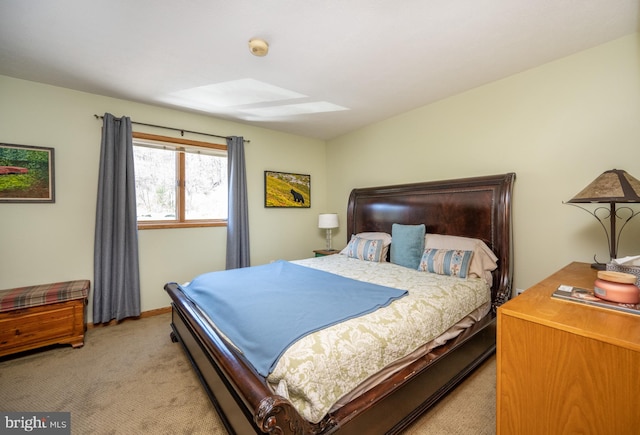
(27, 174)
(287, 190)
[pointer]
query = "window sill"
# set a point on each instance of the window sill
(190, 224)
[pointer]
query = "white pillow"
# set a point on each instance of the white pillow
(483, 260)
(385, 237)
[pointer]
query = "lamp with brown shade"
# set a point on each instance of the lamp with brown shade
(612, 187)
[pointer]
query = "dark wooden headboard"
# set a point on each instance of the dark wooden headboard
(478, 207)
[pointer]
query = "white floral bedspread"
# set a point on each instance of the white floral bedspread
(321, 367)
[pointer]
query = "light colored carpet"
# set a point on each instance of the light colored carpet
(131, 379)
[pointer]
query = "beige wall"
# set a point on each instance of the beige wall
(557, 127)
(42, 243)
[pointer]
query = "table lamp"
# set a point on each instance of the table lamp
(328, 221)
(613, 186)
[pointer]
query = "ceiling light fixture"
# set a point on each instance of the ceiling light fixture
(258, 47)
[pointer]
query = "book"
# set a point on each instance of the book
(588, 297)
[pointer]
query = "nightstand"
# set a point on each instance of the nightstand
(566, 367)
(323, 252)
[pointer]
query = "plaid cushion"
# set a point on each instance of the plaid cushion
(33, 296)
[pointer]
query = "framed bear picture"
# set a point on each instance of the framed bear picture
(286, 190)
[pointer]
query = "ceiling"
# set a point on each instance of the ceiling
(333, 65)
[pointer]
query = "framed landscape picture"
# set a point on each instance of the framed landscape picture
(287, 190)
(26, 173)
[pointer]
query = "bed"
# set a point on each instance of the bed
(477, 208)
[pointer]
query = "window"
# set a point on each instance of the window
(179, 182)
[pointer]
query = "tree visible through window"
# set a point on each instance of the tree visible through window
(179, 182)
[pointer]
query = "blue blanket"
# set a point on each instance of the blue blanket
(265, 309)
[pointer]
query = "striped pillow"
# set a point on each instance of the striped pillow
(452, 262)
(363, 249)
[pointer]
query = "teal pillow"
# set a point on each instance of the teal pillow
(407, 244)
(452, 262)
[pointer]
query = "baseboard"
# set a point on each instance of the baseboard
(142, 315)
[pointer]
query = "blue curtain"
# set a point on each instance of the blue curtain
(115, 263)
(238, 222)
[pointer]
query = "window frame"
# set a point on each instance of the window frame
(179, 144)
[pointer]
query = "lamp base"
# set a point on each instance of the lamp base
(329, 248)
(599, 266)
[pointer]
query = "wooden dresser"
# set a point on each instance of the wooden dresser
(565, 367)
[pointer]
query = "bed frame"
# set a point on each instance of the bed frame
(478, 207)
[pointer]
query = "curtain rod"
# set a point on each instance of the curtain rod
(181, 130)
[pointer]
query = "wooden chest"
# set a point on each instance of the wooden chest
(37, 316)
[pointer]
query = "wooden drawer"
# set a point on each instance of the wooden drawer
(30, 328)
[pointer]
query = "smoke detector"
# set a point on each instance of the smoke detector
(258, 47)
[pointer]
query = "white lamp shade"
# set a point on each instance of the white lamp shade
(328, 220)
